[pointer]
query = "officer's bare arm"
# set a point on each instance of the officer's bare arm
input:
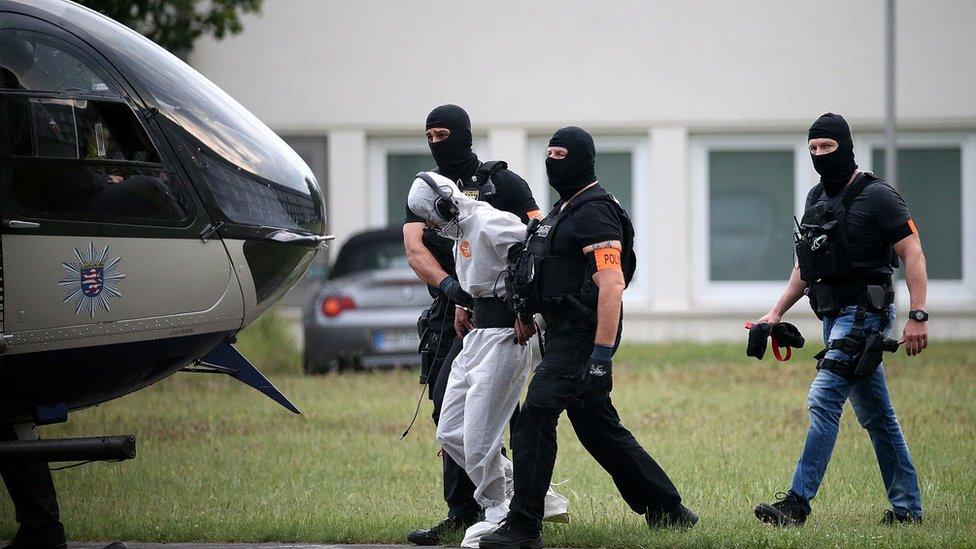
(792, 294)
(609, 279)
(421, 260)
(909, 249)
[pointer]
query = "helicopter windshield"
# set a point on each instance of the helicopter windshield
(254, 177)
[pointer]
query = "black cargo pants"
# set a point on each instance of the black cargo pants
(31, 489)
(557, 386)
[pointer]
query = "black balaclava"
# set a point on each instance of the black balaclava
(453, 156)
(569, 175)
(835, 168)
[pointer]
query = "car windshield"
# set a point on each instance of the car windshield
(369, 256)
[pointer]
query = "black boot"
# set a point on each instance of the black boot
(890, 517)
(512, 535)
(450, 525)
(51, 538)
(677, 517)
(789, 510)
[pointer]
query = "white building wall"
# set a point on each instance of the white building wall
(314, 65)
(671, 77)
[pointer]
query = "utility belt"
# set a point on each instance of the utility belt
(863, 346)
(828, 298)
(492, 312)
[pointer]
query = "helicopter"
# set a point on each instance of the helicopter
(146, 217)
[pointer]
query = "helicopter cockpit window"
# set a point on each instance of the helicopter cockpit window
(245, 171)
(33, 62)
(85, 160)
(88, 130)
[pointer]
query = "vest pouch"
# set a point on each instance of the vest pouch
(823, 300)
(819, 251)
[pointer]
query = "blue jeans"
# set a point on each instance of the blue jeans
(870, 400)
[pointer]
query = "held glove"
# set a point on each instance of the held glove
(788, 335)
(758, 334)
(599, 372)
(783, 334)
(451, 288)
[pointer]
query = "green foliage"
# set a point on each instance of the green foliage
(176, 24)
(220, 462)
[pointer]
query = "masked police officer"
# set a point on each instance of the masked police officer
(582, 256)
(432, 257)
(853, 231)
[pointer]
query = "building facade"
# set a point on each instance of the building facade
(699, 110)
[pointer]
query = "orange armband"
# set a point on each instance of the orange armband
(607, 258)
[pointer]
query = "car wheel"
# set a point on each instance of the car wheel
(315, 367)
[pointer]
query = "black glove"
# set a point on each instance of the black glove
(788, 335)
(599, 371)
(758, 334)
(451, 288)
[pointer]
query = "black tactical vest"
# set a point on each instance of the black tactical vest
(544, 279)
(823, 251)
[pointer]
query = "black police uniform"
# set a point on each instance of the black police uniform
(35, 501)
(511, 194)
(558, 384)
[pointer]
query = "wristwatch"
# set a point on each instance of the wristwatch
(918, 315)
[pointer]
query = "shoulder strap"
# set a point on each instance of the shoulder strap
(630, 257)
(817, 191)
(575, 204)
(856, 189)
(489, 168)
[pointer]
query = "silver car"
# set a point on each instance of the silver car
(365, 314)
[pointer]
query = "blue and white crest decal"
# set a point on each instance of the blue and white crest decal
(93, 280)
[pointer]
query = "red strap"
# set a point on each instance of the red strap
(779, 356)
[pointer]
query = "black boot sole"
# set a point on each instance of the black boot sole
(768, 514)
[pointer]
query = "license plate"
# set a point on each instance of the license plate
(395, 341)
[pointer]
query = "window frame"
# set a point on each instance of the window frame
(95, 161)
(638, 146)
(945, 294)
(736, 293)
(127, 96)
(379, 149)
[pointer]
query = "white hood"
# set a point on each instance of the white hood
(422, 198)
(486, 235)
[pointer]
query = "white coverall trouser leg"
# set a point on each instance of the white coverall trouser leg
(482, 392)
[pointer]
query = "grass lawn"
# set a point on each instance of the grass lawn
(220, 462)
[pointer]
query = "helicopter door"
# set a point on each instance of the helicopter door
(101, 239)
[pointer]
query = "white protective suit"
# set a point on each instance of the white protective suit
(491, 371)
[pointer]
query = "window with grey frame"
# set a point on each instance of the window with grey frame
(615, 171)
(401, 167)
(750, 214)
(930, 181)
